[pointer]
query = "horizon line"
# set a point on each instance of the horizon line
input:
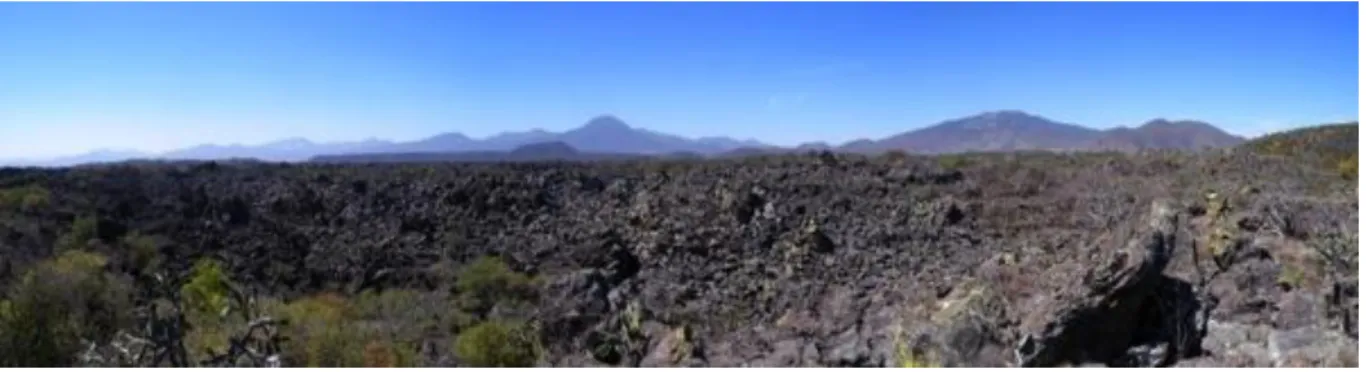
(305, 138)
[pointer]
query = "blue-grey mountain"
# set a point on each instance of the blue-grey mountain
(1007, 130)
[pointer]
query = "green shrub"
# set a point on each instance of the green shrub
(1329, 146)
(328, 330)
(336, 346)
(29, 198)
(373, 304)
(498, 344)
(1348, 167)
(142, 251)
(321, 332)
(488, 281)
(59, 303)
(83, 230)
(207, 290)
(953, 161)
(205, 295)
(381, 354)
(403, 313)
(205, 334)
(458, 319)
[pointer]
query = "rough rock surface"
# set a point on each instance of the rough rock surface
(812, 260)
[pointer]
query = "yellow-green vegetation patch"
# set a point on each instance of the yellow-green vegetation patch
(906, 357)
(488, 281)
(331, 330)
(682, 347)
(206, 298)
(57, 305)
(78, 236)
(142, 251)
(968, 300)
(498, 343)
(78, 262)
(1218, 227)
(954, 161)
(1332, 146)
(479, 286)
(207, 290)
(1291, 276)
(205, 335)
(29, 198)
(1322, 138)
(1347, 168)
(320, 333)
(374, 304)
(1301, 266)
(382, 354)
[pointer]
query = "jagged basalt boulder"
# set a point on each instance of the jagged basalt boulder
(1095, 317)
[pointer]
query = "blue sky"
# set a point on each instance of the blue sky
(157, 76)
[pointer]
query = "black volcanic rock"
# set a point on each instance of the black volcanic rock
(816, 259)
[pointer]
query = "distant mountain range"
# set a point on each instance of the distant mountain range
(541, 151)
(609, 136)
(1017, 130)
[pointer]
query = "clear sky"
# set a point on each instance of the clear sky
(157, 76)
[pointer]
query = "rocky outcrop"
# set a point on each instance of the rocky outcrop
(1120, 310)
(1243, 345)
(803, 260)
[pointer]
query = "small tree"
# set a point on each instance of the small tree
(60, 305)
(83, 229)
(488, 281)
(206, 292)
(498, 344)
(322, 333)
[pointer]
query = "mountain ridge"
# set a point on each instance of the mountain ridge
(990, 131)
(1015, 130)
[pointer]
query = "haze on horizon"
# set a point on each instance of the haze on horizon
(161, 76)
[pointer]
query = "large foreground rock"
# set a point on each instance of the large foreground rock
(1120, 310)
